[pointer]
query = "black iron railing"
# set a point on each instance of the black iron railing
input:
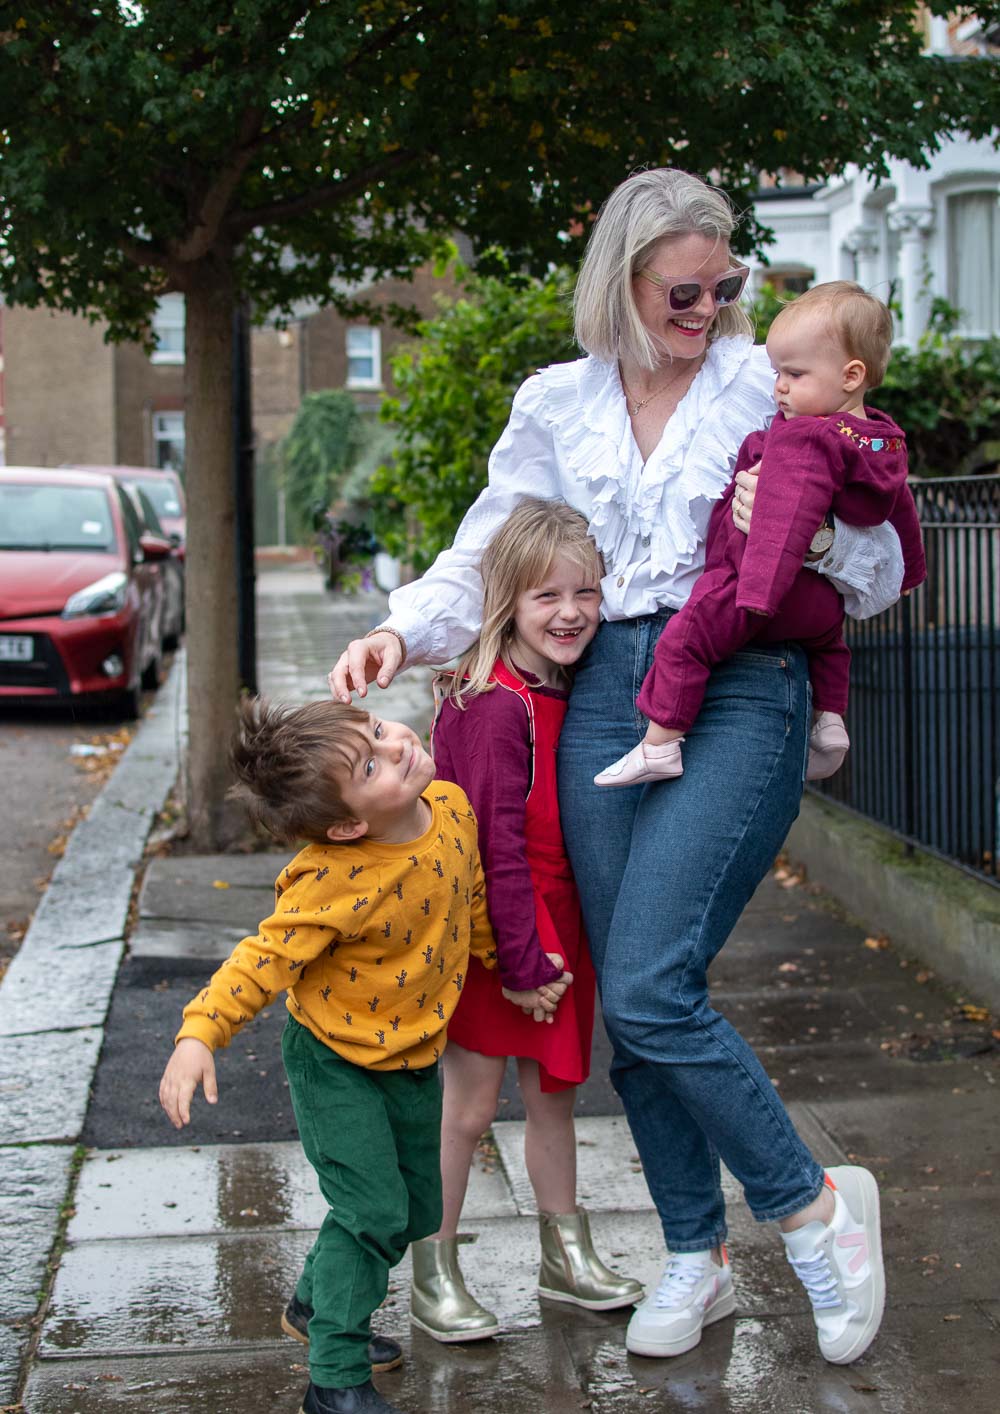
(925, 689)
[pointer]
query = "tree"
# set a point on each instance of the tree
(455, 389)
(278, 149)
(319, 453)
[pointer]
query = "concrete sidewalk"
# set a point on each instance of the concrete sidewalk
(179, 1251)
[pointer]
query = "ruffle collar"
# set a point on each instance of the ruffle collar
(584, 405)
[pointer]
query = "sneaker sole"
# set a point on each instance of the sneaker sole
(455, 1337)
(379, 1367)
(657, 1349)
(614, 1304)
(860, 1191)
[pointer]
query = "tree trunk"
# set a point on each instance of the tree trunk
(212, 637)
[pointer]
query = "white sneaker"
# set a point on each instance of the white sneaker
(841, 1267)
(693, 1292)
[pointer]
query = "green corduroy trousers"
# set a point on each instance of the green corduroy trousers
(374, 1139)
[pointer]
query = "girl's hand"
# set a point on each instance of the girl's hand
(746, 489)
(192, 1064)
(541, 1002)
(363, 660)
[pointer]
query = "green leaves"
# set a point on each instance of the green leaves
(334, 138)
(455, 390)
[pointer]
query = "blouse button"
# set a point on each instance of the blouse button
(621, 580)
(645, 541)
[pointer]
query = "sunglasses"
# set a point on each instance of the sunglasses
(685, 293)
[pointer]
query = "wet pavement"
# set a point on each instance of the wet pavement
(181, 1250)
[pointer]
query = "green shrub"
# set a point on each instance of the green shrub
(455, 391)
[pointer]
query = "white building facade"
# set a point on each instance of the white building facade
(921, 234)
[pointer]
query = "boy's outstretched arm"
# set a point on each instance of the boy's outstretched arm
(192, 1064)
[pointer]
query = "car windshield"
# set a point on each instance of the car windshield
(163, 496)
(36, 517)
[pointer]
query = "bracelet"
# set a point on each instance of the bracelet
(384, 628)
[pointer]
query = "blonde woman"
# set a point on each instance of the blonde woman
(641, 436)
(496, 735)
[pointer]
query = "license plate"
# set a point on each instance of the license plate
(16, 650)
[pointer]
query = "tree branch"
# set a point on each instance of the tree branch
(332, 194)
(209, 209)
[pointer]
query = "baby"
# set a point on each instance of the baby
(824, 454)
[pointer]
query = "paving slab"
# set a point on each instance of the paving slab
(229, 1188)
(45, 1084)
(258, 1381)
(129, 1296)
(170, 894)
(941, 1245)
(772, 1366)
(200, 871)
(86, 979)
(609, 1174)
(207, 944)
(904, 1136)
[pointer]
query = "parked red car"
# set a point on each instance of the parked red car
(81, 589)
(165, 493)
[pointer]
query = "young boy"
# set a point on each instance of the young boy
(825, 453)
(371, 933)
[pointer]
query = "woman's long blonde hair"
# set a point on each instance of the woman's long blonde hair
(519, 557)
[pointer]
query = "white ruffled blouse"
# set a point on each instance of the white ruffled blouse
(569, 437)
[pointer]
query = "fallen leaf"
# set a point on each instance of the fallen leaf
(878, 944)
(974, 1013)
(219, 884)
(923, 976)
(788, 967)
(951, 1318)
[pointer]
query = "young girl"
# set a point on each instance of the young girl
(825, 452)
(496, 735)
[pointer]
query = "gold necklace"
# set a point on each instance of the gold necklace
(637, 404)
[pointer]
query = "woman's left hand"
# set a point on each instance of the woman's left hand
(746, 489)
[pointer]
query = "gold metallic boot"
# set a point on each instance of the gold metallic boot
(572, 1271)
(439, 1301)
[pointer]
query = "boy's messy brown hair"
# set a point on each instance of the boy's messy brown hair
(288, 762)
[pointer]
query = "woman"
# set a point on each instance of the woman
(641, 436)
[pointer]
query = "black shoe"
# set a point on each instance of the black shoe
(383, 1353)
(359, 1399)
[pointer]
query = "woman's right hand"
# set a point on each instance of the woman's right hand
(363, 661)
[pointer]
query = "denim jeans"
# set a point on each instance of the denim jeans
(664, 872)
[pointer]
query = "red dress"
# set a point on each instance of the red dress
(484, 1020)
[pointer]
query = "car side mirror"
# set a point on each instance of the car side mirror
(154, 548)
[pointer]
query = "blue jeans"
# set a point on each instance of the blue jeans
(664, 872)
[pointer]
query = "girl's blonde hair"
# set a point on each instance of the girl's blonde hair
(639, 213)
(519, 557)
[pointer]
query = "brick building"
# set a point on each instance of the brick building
(67, 396)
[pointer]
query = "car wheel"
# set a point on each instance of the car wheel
(130, 703)
(152, 672)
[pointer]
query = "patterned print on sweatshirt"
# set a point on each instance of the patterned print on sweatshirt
(370, 941)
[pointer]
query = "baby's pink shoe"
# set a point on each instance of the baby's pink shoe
(644, 763)
(828, 745)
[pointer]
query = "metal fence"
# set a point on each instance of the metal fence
(925, 689)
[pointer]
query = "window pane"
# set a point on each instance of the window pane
(974, 260)
(363, 356)
(168, 440)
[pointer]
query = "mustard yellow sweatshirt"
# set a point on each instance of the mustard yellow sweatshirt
(371, 942)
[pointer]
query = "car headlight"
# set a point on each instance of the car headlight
(104, 596)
